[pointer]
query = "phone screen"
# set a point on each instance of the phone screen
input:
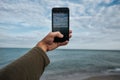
(60, 22)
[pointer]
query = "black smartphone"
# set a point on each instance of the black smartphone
(60, 22)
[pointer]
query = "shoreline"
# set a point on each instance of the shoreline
(82, 76)
(105, 77)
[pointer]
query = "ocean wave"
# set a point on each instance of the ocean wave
(115, 70)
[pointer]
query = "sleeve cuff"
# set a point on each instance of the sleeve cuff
(44, 55)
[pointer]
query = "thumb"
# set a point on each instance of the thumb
(57, 34)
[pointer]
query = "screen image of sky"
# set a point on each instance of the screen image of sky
(60, 20)
(95, 23)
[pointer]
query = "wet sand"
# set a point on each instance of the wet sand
(88, 76)
(106, 77)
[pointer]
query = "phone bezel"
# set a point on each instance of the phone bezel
(61, 10)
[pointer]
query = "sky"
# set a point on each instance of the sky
(95, 23)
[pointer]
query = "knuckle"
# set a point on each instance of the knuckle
(51, 33)
(58, 32)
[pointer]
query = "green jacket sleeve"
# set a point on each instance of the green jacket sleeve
(28, 67)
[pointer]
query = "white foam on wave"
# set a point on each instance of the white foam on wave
(115, 70)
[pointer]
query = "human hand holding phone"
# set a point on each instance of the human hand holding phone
(48, 44)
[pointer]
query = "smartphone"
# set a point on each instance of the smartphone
(60, 22)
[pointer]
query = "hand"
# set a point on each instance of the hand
(48, 43)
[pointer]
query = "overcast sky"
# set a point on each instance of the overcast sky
(95, 23)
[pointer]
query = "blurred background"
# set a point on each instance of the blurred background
(95, 23)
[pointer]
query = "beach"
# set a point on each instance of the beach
(105, 77)
(82, 76)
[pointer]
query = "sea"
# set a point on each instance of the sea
(70, 64)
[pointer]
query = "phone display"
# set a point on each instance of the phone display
(60, 22)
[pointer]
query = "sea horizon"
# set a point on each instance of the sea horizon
(66, 49)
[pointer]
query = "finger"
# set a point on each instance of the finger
(70, 35)
(63, 43)
(70, 31)
(57, 34)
